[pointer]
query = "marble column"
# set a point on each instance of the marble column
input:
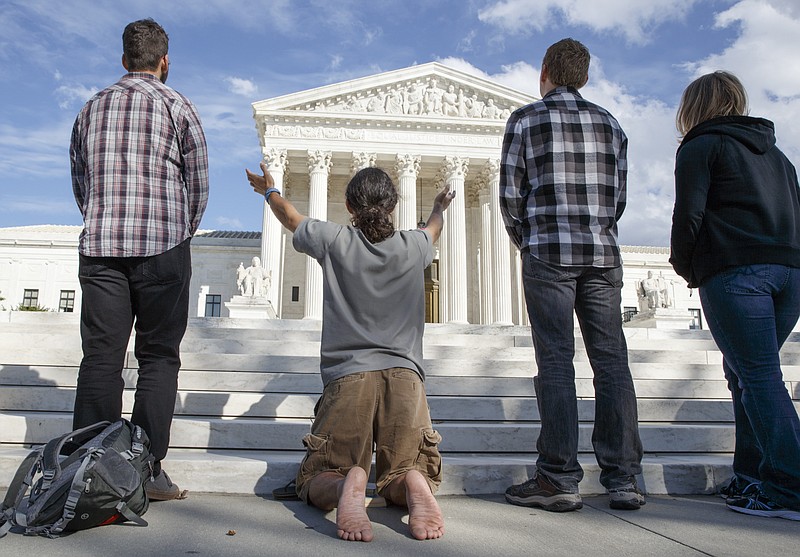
(501, 250)
(454, 171)
(271, 230)
(444, 302)
(319, 166)
(486, 261)
(407, 167)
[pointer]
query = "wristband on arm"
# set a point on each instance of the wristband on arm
(270, 191)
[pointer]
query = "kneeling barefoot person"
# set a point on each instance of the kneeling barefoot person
(371, 357)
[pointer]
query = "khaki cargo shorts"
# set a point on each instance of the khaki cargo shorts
(387, 409)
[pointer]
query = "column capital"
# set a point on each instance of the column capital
(276, 159)
(489, 172)
(491, 168)
(407, 165)
(454, 168)
(478, 190)
(361, 161)
(319, 161)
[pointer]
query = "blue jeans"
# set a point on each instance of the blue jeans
(552, 293)
(153, 291)
(751, 310)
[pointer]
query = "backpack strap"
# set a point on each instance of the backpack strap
(51, 464)
(75, 491)
(125, 511)
(17, 489)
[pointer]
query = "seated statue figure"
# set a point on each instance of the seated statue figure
(256, 280)
(650, 290)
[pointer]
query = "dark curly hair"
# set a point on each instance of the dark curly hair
(144, 43)
(372, 197)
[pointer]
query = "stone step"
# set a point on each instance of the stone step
(286, 434)
(290, 357)
(289, 405)
(259, 472)
(60, 322)
(484, 337)
(436, 385)
(445, 361)
(61, 375)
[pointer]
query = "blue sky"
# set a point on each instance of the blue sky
(227, 54)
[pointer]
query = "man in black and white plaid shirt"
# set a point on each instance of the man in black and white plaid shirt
(562, 190)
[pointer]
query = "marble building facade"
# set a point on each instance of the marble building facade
(427, 125)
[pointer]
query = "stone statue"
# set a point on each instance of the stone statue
(256, 280)
(414, 99)
(433, 98)
(665, 290)
(649, 289)
(394, 102)
(462, 104)
(450, 102)
(422, 97)
(491, 110)
(376, 104)
(241, 273)
(474, 107)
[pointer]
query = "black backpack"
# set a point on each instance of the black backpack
(89, 477)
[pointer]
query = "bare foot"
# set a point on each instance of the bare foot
(424, 515)
(352, 522)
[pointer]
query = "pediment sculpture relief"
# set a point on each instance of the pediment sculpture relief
(420, 97)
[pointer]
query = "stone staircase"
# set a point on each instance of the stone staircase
(247, 392)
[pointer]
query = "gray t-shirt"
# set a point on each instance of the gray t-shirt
(373, 314)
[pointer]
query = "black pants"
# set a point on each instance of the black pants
(153, 292)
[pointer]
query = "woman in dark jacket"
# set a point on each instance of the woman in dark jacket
(736, 237)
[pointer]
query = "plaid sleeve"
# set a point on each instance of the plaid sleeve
(514, 188)
(622, 176)
(195, 170)
(77, 165)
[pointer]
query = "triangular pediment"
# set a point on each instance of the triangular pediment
(430, 90)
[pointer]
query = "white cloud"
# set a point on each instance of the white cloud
(633, 19)
(371, 35)
(790, 7)
(71, 95)
(764, 56)
(768, 31)
(336, 62)
(465, 44)
(38, 205)
(464, 66)
(652, 141)
(38, 152)
(229, 223)
(243, 87)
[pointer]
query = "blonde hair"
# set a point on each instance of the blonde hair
(716, 94)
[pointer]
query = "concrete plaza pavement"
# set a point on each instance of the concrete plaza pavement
(475, 526)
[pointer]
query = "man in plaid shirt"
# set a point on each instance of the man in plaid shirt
(562, 190)
(140, 178)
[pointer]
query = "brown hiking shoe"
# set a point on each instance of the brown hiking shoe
(161, 488)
